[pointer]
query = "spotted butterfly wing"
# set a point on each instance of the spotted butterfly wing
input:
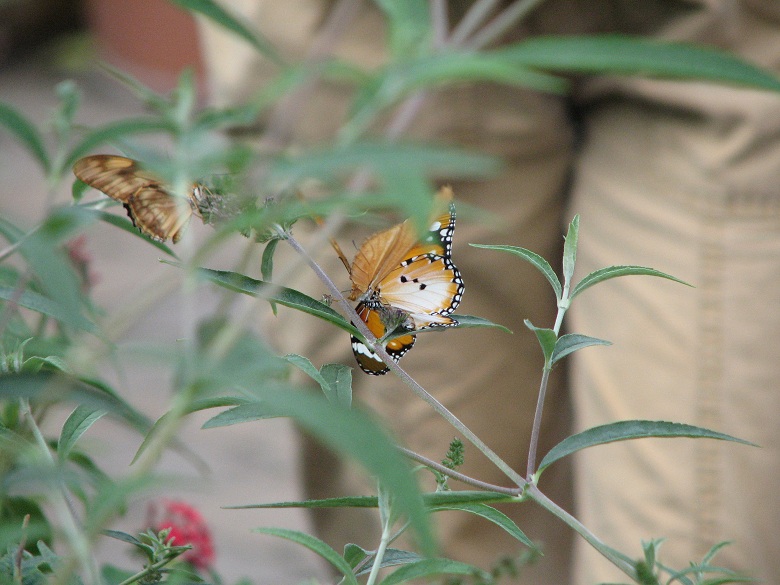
(152, 208)
(376, 320)
(397, 271)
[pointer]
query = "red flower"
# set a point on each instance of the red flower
(187, 527)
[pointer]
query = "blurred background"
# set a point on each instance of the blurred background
(43, 42)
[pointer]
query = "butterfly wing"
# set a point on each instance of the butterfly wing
(116, 176)
(428, 287)
(158, 214)
(369, 361)
(150, 206)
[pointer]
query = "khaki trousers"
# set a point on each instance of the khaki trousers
(681, 177)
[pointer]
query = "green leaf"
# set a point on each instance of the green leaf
(409, 24)
(358, 436)
(603, 274)
(430, 568)
(459, 67)
(46, 306)
(547, 339)
(626, 55)
(124, 537)
(339, 384)
(464, 322)
(433, 500)
(315, 545)
(112, 133)
(629, 429)
(278, 294)
(125, 224)
(491, 514)
(385, 158)
(26, 132)
(534, 259)
(572, 342)
(393, 557)
(78, 423)
(220, 16)
(242, 413)
(570, 250)
(267, 264)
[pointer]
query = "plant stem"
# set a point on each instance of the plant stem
(502, 23)
(536, 429)
(78, 541)
(621, 561)
(462, 477)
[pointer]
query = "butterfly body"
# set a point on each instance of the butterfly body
(152, 208)
(404, 281)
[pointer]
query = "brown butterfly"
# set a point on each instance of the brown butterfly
(404, 281)
(151, 206)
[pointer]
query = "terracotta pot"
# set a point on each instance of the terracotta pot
(153, 40)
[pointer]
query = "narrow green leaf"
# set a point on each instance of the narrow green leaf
(315, 545)
(46, 306)
(213, 11)
(78, 423)
(392, 558)
(267, 263)
(491, 514)
(603, 274)
(432, 500)
(241, 414)
(339, 383)
(123, 536)
(342, 502)
(626, 55)
(464, 322)
(431, 568)
(284, 296)
(409, 24)
(546, 338)
(534, 259)
(570, 250)
(358, 436)
(459, 67)
(112, 134)
(385, 158)
(26, 132)
(630, 429)
(125, 224)
(572, 342)
(304, 364)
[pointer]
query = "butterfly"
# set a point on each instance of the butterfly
(405, 282)
(152, 208)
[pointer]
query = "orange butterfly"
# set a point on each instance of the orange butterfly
(402, 281)
(152, 208)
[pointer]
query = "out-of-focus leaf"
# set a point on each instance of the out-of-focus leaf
(409, 24)
(625, 55)
(113, 133)
(26, 133)
(125, 224)
(78, 423)
(46, 306)
(433, 567)
(222, 17)
(385, 158)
